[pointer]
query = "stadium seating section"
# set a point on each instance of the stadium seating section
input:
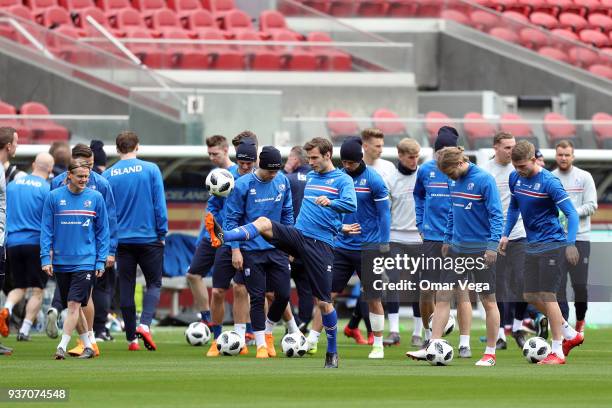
(37, 130)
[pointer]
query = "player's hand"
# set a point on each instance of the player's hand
(384, 248)
(444, 250)
(48, 269)
(503, 244)
(490, 257)
(291, 258)
(237, 260)
(351, 229)
(110, 261)
(572, 255)
(100, 272)
(322, 201)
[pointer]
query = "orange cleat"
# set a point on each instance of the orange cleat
(262, 352)
(146, 337)
(96, 350)
(370, 338)
(580, 326)
(244, 351)
(134, 346)
(213, 351)
(270, 345)
(568, 345)
(78, 350)
(355, 334)
(4, 322)
(214, 230)
(552, 359)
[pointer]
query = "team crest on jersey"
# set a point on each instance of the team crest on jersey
(518, 182)
(432, 174)
(363, 182)
(452, 183)
(279, 197)
(470, 186)
(536, 186)
(252, 191)
(87, 203)
(281, 187)
(62, 202)
(88, 277)
(301, 177)
(330, 181)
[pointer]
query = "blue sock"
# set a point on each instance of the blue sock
(330, 323)
(149, 304)
(249, 328)
(242, 233)
(216, 330)
(205, 315)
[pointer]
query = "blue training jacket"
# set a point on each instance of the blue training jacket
(432, 201)
(297, 180)
(25, 199)
(253, 198)
(75, 228)
(138, 188)
(537, 199)
(100, 184)
(373, 212)
(324, 223)
(476, 219)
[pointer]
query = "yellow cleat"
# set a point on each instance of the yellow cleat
(270, 345)
(78, 350)
(213, 351)
(262, 352)
(244, 351)
(95, 348)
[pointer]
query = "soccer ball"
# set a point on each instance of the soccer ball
(450, 325)
(439, 353)
(220, 182)
(535, 350)
(197, 334)
(229, 343)
(294, 344)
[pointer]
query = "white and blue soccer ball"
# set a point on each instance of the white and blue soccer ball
(219, 182)
(294, 344)
(439, 353)
(229, 343)
(535, 350)
(450, 325)
(197, 334)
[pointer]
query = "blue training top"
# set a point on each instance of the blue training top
(25, 199)
(297, 179)
(432, 201)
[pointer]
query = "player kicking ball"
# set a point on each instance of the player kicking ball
(328, 195)
(537, 195)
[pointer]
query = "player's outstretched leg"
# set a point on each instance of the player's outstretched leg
(330, 324)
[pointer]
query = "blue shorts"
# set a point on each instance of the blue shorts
(317, 256)
(470, 271)
(544, 271)
(432, 249)
(267, 270)
(203, 259)
(346, 262)
(224, 271)
(75, 286)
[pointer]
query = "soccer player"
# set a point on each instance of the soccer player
(9, 139)
(509, 268)
(540, 158)
(473, 231)
(204, 257)
(24, 207)
(329, 194)
(373, 142)
(580, 187)
(405, 237)
(368, 227)
(228, 262)
(74, 243)
(432, 204)
(142, 224)
(537, 195)
(263, 193)
(8, 136)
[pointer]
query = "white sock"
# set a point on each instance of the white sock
(568, 331)
(418, 326)
(260, 338)
(378, 341)
(517, 325)
(270, 326)
(92, 337)
(25, 327)
(313, 337)
(490, 350)
(501, 334)
(64, 342)
(557, 348)
(377, 321)
(9, 306)
(464, 340)
(427, 334)
(144, 327)
(292, 326)
(135, 341)
(85, 339)
(394, 322)
(240, 328)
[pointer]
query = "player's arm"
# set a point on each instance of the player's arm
(563, 202)
(512, 216)
(380, 194)
(235, 210)
(159, 205)
(419, 199)
(494, 211)
(589, 203)
(347, 202)
(46, 235)
(287, 217)
(111, 210)
(102, 232)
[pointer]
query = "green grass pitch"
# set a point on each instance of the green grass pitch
(179, 375)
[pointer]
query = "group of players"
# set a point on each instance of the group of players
(312, 222)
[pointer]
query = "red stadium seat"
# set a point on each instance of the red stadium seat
(342, 8)
(514, 15)
(479, 132)
(319, 5)
(594, 38)
(582, 56)
(129, 20)
(260, 58)
(329, 57)
(555, 7)
(165, 20)
(543, 20)
(222, 57)
(9, 31)
(149, 5)
(483, 20)
(187, 56)
(271, 21)
(340, 130)
(601, 70)
(72, 5)
(388, 128)
(455, 15)
(298, 57)
(9, 3)
(219, 8)
(433, 122)
(237, 21)
(372, 8)
(402, 8)
(517, 127)
(56, 16)
(154, 56)
(532, 38)
(565, 33)
(20, 11)
(600, 21)
(572, 21)
(22, 130)
(505, 34)
(181, 6)
(113, 6)
(602, 127)
(43, 130)
(553, 53)
(558, 127)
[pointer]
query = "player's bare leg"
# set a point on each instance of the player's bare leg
(199, 292)
(492, 323)
(464, 317)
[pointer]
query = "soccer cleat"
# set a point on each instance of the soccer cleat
(96, 349)
(541, 324)
(214, 230)
(245, 351)
(331, 360)
(249, 339)
(60, 354)
(355, 334)
(4, 322)
(78, 350)
(51, 323)
(87, 353)
(519, 337)
(420, 354)
(370, 338)
(416, 341)
(568, 345)
(378, 352)
(465, 352)
(134, 346)
(552, 359)
(312, 348)
(103, 336)
(23, 337)
(393, 340)
(488, 360)
(580, 326)
(262, 352)
(270, 345)
(501, 344)
(304, 328)
(146, 337)
(213, 351)
(5, 351)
